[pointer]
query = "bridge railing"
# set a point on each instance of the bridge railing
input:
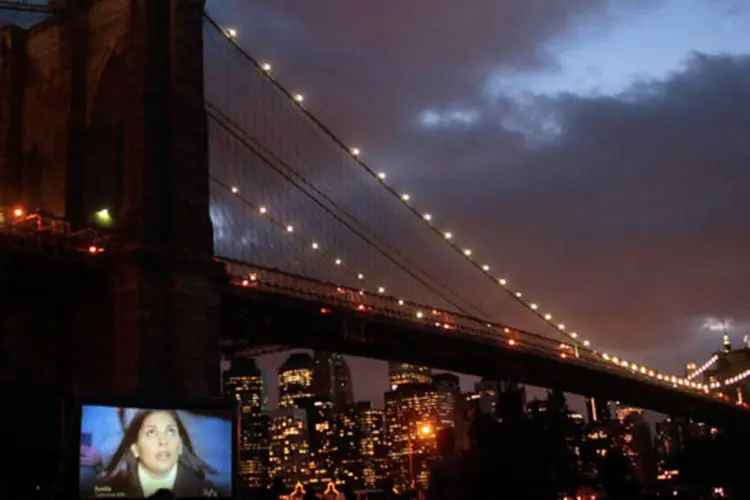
(445, 322)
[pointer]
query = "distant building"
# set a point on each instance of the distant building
(730, 362)
(332, 379)
(412, 417)
(597, 410)
(449, 390)
(244, 381)
(373, 447)
(289, 450)
(404, 373)
(347, 462)
(295, 379)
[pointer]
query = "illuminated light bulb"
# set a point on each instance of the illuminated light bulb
(519, 294)
(615, 360)
(338, 262)
(634, 367)
(231, 33)
(265, 67)
(253, 277)
(548, 316)
(315, 245)
(643, 370)
(235, 190)
(427, 217)
(511, 342)
(290, 229)
(485, 268)
(561, 326)
(506, 330)
(562, 346)
(563, 355)
(448, 235)
(405, 197)
(93, 249)
(534, 306)
(245, 283)
(605, 356)
(420, 314)
(624, 363)
(381, 289)
(263, 210)
(467, 252)
(18, 212)
(574, 335)
(360, 276)
(437, 324)
(400, 302)
(299, 97)
(502, 281)
(586, 343)
(355, 151)
(382, 176)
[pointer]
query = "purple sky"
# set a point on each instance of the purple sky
(597, 150)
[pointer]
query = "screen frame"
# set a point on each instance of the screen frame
(188, 404)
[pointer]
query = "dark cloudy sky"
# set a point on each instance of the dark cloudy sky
(598, 149)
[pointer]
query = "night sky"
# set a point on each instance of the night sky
(599, 150)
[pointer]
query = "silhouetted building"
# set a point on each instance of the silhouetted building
(295, 379)
(501, 399)
(244, 381)
(404, 373)
(332, 379)
(730, 362)
(597, 410)
(412, 416)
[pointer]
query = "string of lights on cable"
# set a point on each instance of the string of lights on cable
(448, 236)
(705, 366)
(338, 212)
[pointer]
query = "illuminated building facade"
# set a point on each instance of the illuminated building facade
(449, 391)
(320, 422)
(332, 379)
(346, 457)
(295, 379)
(412, 416)
(404, 373)
(289, 456)
(373, 447)
(244, 381)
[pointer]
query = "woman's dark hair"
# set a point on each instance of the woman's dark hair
(123, 462)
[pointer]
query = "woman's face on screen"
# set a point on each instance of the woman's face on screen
(159, 445)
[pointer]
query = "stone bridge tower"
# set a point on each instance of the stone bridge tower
(102, 107)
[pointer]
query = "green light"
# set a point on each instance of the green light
(104, 218)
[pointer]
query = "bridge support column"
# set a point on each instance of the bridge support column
(167, 289)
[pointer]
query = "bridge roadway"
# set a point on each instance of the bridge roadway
(271, 307)
(264, 307)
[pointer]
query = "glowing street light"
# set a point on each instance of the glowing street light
(104, 217)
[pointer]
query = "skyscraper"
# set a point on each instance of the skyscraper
(332, 379)
(244, 381)
(295, 379)
(412, 417)
(373, 447)
(449, 391)
(404, 373)
(289, 450)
